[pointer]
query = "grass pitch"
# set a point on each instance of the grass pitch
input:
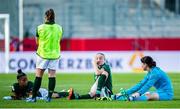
(81, 84)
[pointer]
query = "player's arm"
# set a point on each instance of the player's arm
(137, 86)
(96, 69)
(37, 37)
(14, 94)
(30, 88)
(37, 41)
(148, 84)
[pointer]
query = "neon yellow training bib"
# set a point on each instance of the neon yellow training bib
(49, 40)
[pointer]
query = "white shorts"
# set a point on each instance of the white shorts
(46, 63)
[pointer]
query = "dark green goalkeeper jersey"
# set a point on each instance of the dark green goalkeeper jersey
(108, 83)
(22, 92)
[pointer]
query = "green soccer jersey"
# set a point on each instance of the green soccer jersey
(22, 92)
(108, 83)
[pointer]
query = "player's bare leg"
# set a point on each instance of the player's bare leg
(39, 72)
(101, 81)
(146, 97)
(152, 96)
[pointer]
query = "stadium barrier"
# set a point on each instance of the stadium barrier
(111, 44)
(80, 62)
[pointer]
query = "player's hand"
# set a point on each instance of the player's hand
(94, 62)
(136, 94)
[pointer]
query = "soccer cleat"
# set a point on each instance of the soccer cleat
(31, 100)
(48, 99)
(97, 95)
(97, 98)
(71, 94)
(103, 99)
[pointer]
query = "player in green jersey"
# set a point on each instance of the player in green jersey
(22, 89)
(102, 86)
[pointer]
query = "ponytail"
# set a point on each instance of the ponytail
(149, 61)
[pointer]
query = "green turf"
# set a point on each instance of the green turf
(82, 83)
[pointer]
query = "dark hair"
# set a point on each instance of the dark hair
(20, 74)
(149, 61)
(50, 15)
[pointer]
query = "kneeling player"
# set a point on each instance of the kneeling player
(23, 89)
(103, 80)
(155, 77)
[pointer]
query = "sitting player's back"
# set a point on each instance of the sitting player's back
(163, 83)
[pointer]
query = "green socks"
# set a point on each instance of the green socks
(37, 84)
(101, 82)
(62, 94)
(51, 86)
(87, 96)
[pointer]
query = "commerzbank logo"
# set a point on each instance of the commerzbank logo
(135, 63)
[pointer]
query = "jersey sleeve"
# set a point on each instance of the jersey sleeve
(152, 80)
(137, 86)
(37, 35)
(14, 88)
(106, 68)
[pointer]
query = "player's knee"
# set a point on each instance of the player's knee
(92, 94)
(153, 96)
(147, 94)
(39, 72)
(51, 73)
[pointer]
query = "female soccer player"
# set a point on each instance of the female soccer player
(49, 35)
(22, 89)
(155, 77)
(103, 80)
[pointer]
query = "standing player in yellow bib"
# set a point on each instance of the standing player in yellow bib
(48, 35)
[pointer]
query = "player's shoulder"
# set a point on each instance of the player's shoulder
(30, 82)
(106, 65)
(155, 72)
(15, 85)
(59, 26)
(41, 25)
